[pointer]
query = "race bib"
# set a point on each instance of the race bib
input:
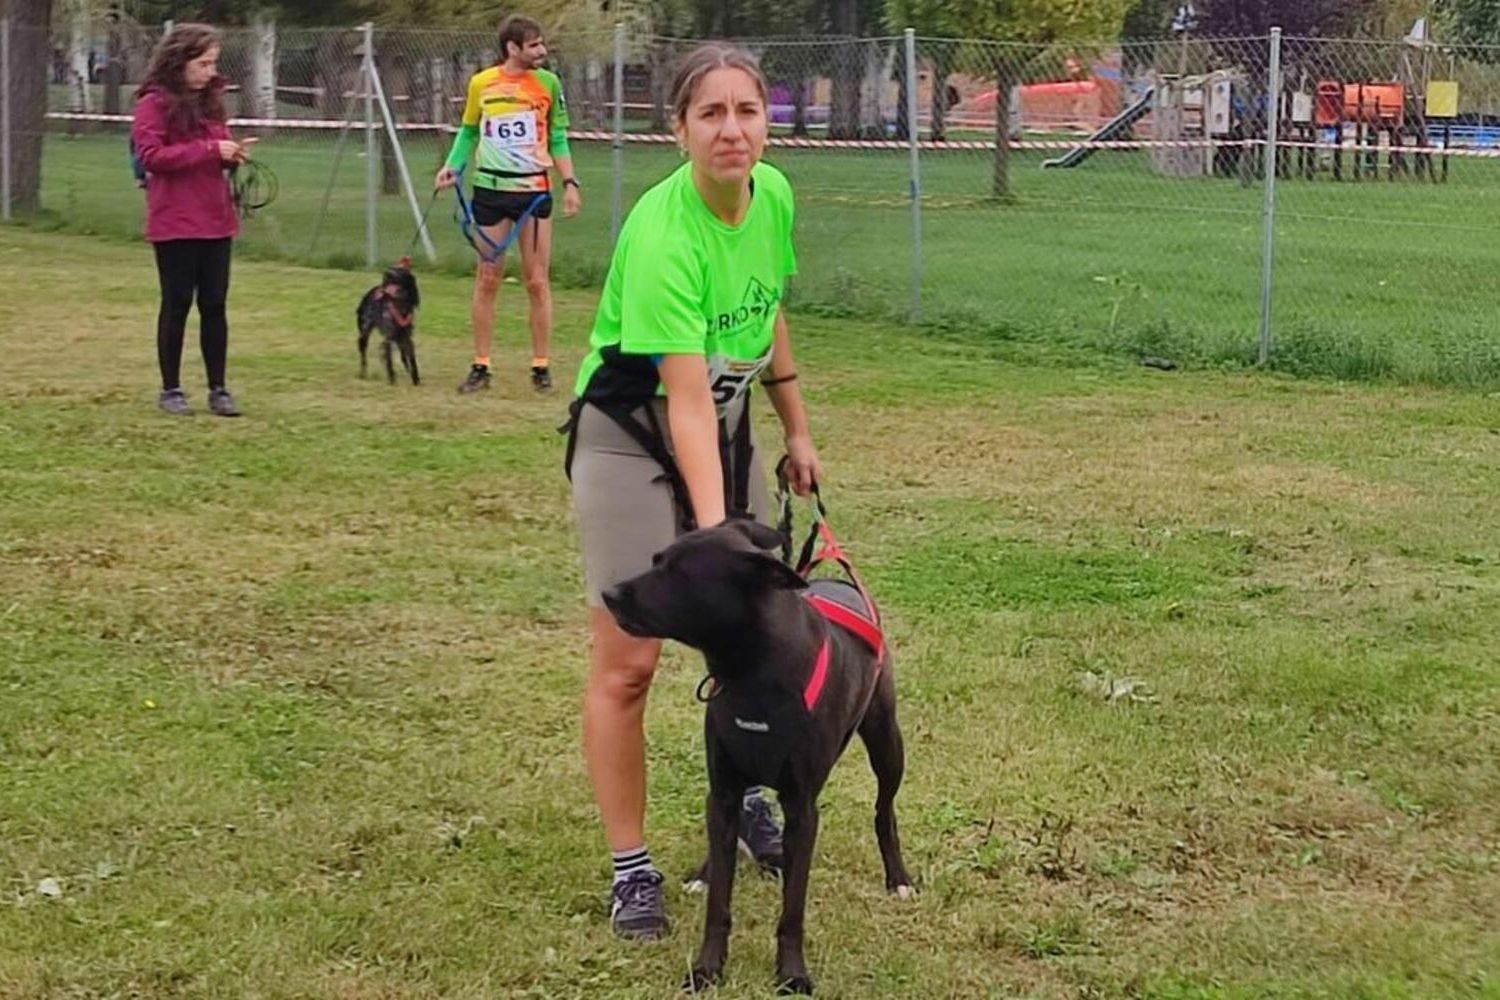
(730, 378)
(513, 131)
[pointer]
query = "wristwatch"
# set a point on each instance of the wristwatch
(572, 181)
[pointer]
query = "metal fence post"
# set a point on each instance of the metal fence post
(393, 134)
(372, 155)
(913, 142)
(1273, 129)
(5, 74)
(617, 152)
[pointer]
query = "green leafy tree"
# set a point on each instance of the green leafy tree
(1476, 22)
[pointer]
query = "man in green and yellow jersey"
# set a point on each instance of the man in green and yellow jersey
(516, 119)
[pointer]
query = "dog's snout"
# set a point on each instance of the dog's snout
(616, 597)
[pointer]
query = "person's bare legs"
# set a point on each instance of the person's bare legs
(621, 667)
(536, 263)
(487, 278)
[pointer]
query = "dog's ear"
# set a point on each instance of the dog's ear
(763, 538)
(772, 572)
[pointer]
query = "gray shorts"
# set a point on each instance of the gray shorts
(624, 509)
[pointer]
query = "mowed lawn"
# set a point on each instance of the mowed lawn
(1372, 280)
(1197, 670)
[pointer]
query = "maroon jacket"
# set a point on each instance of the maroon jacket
(187, 192)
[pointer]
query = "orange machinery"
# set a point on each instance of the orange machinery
(1382, 105)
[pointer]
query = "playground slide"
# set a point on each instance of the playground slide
(1111, 130)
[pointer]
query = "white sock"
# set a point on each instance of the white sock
(627, 863)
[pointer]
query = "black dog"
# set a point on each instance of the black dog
(391, 308)
(791, 689)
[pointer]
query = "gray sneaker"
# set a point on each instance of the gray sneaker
(221, 403)
(477, 379)
(760, 836)
(174, 401)
(636, 909)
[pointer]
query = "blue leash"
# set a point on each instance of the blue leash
(475, 234)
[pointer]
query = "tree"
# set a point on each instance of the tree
(30, 69)
(1241, 18)
(1476, 22)
(1041, 22)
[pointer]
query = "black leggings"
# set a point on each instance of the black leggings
(187, 267)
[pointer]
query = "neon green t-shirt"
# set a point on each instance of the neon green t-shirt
(682, 281)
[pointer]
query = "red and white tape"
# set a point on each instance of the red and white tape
(892, 145)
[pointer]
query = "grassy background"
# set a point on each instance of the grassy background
(1196, 670)
(1384, 281)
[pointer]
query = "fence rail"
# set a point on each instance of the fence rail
(1312, 203)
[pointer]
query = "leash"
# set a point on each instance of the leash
(412, 245)
(813, 554)
(254, 186)
(474, 233)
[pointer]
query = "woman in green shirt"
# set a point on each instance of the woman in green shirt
(690, 317)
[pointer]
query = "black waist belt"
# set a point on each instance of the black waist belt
(512, 173)
(734, 453)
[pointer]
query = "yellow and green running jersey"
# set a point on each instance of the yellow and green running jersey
(519, 124)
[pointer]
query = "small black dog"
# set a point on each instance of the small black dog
(791, 689)
(391, 308)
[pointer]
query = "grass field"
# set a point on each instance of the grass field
(1374, 281)
(1197, 671)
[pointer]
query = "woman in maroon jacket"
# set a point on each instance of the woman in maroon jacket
(182, 141)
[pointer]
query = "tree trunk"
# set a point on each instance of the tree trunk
(1000, 183)
(393, 80)
(114, 69)
(79, 91)
(799, 108)
(657, 63)
(263, 69)
(940, 57)
(903, 85)
(848, 70)
(29, 69)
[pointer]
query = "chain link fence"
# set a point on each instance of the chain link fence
(1116, 196)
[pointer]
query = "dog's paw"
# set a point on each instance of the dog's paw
(794, 986)
(904, 892)
(700, 979)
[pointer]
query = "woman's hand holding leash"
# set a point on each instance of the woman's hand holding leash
(235, 152)
(803, 467)
(445, 179)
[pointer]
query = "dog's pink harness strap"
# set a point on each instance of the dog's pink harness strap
(852, 620)
(391, 310)
(819, 677)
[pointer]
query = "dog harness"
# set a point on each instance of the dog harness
(393, 309)
(735, 448)
(759, 721)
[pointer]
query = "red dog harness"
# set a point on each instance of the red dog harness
(862, 622)
(758, 722)
(391, 308)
